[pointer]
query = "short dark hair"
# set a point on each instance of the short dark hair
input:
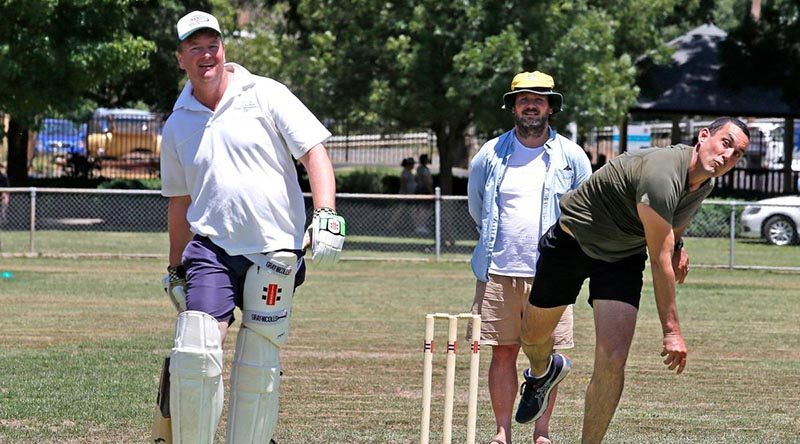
(722, 121)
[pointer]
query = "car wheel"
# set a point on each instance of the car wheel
(780, 230)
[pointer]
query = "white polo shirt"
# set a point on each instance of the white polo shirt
(236, 163)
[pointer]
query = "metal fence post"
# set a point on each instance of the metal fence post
(438, 216)
(33, 220)
(732, 225)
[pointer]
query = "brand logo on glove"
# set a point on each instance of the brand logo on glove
(271, 294)
(333, 226)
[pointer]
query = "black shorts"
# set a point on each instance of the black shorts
(563, 266)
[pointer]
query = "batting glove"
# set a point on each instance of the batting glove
(325, 236)
(175, 286)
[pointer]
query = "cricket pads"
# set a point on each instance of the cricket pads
(196, 387)
(255, 378)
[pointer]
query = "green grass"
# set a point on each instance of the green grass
(746, 252)
(373, 169)
(702, 251)
(83, 341)
(51, 242)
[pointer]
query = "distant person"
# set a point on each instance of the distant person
(423, 178)
(236, 217)
(640, 202)
(515, 184)
(408, 183)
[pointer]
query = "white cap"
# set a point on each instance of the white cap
(195, 21)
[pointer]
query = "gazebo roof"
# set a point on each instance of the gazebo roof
(689, 84)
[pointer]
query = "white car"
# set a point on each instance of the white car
(776, 220)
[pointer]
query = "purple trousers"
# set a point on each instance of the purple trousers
(215, 279)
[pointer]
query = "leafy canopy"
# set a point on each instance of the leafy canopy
(429, 63)
(53, 52)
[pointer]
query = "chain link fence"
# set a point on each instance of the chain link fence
(131, 223)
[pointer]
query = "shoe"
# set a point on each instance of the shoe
(535, 392)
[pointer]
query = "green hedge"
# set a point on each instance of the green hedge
(707, 221)
(131, 184)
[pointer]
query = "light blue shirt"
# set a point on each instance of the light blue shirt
(569, 167)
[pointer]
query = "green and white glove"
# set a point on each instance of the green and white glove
(325, 236)
(175, 286)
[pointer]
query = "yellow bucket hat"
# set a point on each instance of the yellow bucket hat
(535, 82)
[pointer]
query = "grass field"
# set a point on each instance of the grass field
(83, 341)
(703, 251)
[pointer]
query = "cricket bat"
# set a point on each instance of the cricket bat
(162, 424)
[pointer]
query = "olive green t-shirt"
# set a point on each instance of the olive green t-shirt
(602, 215)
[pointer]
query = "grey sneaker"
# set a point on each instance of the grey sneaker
(534, 392)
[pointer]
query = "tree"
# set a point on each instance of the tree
(53, 52)
(158, 84)
(772, 44)
(445, 65)
(267, 44)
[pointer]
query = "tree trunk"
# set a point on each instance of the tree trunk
(582, 138)
(623, 134)
(675, 135)
(459, 157)
(755, 10)
(448, 138)
(788, 148)
(450, 144)
(17, 153)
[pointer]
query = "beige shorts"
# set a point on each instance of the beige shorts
(501, 303)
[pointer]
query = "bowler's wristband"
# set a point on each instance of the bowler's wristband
(679, 245)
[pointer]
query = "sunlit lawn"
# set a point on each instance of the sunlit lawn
(83, 341)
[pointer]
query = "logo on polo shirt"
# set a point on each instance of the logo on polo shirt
(245, 105)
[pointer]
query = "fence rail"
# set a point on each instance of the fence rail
(381, 149)
(760, 180)
(131, 223)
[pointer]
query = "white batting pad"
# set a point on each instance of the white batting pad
(196, 388)
(267, 300)
(255, 384)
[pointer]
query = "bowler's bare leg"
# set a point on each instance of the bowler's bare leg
(614, 326)
(538, 325)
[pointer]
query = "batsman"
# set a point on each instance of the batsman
(236, 218)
